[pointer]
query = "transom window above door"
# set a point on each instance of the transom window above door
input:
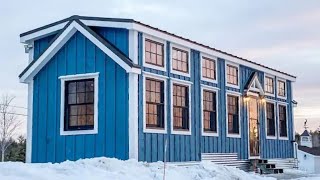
(154, 53)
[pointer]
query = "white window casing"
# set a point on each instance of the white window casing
(227, 119)
(216, 90)
(188, 84)
(144, 63)
(215, 59)
(226, 74)
(171, 61)
(63, 79)
(160, 78)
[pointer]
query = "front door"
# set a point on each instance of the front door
(254, 129)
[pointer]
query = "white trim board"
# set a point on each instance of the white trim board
(63, 79)
(216, 91)
(165, 36)
(29, 123)
(152, 130)
(58, 44)
(186, 83)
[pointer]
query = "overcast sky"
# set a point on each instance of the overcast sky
(281, 34)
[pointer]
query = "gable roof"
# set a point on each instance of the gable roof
(136, 25)
(314, 151)
(305, 133)
(254, 79)
(60, 39)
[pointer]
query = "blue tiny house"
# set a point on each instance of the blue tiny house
(120, 88)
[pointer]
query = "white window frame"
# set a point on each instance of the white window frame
(285, 89)
(189, 57)
(185, 83)
(63, 79)
(232, 93)
(282, 137)
(275, 119)
(215, 59)
(216, 90)
(274, 85)
(160, 78)
(144, 63)
(226, 74)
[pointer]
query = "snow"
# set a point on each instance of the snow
(107, 168)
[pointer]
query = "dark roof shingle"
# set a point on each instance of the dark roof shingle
(314, 151)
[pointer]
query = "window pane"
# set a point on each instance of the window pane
(180, 60)
(233, 114)
(181, 107)
(232, 75)
(154, 53)
(72, 87)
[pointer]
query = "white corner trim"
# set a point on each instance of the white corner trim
(133, 116)
(63, 79)
(227, 119)
(60, 41)
(266, 120)
(153, 130)
(133, 46)
(215, 59)
(274, 85)
(226, 74)
(217, 111)
(29, 123)
(286, 105)
(285, 89)
(180, 132)
(172, 45)
(144, 63)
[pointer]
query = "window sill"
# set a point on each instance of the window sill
(210, 133)
(181, 132)
(269, 94)
(233, 135)
(282, 97)
(186, 74)
(271, 137)
(78, 132)
(152, 66)
(233, 86)
(209, 80)
(283, 138)
(154, 130)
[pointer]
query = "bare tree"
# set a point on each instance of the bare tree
(8, 123)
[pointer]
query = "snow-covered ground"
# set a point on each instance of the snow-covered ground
(106, 168)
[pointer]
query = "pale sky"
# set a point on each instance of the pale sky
(281, 34)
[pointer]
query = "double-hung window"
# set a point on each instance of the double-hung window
(269, 85)
(233, 114)
(154, 93)
(271, 122)
(283, 120)
(232, 75)
(281, 88)
(209, 111)
(181, 113)
(154, 53)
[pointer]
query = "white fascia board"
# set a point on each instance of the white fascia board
(61, 40)
(42, 33)
(165, 36)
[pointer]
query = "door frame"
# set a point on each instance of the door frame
(255, 96)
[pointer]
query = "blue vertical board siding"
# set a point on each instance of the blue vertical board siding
(79, 56)
(41, 45)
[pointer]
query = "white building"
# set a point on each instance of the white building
(308, 156)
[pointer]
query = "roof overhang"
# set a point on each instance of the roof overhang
(69, 30)
(131, 24)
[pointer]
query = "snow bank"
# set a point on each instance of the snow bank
(106, 168)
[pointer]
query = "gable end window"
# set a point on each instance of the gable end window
(79, 104)
(283, 120)
(208, 68)
(270, 119)
(232, 75)
(233, 114)
(180, 107)
(180, 60)
(269, 85)
(281, 88)
(209, 111)
(154, 103)
(154, 53)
